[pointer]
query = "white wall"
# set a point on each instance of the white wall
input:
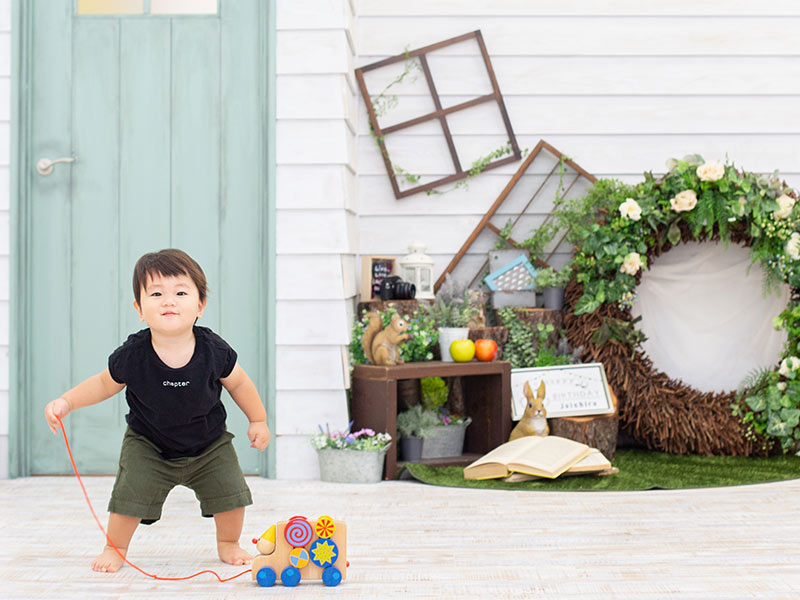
(316, 222)
(619, 86)
(5, 142)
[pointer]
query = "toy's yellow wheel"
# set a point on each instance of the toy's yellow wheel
(325, 527)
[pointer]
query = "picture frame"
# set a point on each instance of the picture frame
(374, 269)
(570, 390)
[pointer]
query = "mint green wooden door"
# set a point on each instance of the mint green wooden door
(165, 118)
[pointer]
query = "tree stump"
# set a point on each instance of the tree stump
(597, 431)
(545, 316)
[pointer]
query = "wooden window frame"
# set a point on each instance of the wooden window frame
(439, 113)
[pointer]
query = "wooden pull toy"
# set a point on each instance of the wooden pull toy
(298, 549)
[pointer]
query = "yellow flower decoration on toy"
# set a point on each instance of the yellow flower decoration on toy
(324, 553)
(325, 527)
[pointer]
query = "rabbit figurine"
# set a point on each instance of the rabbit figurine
(534, 419)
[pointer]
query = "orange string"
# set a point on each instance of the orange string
(111, 543)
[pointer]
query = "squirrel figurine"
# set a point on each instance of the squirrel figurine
(534, 419)
(380, 345)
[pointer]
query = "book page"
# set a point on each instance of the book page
(550, 458)
(493, 464)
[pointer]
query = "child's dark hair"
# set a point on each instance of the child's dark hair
(167, 263)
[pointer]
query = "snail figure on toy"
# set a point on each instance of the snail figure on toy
(296, 549)
(380, 344)
(534, 419)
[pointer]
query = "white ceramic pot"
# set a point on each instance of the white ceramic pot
(448, 335)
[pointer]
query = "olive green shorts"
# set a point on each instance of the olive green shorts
(145, 478)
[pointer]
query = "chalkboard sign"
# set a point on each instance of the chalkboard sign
(374, 269)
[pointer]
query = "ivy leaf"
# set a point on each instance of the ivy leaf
(674, 234)
(790, 416)
(776, 427)
(756, 403)
(587, 304)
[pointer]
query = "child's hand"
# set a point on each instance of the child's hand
(258, 434)
(59, 407)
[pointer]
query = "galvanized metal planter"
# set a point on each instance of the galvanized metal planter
(445, 440)
(351, 466)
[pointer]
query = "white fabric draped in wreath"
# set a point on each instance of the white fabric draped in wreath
(705, 316)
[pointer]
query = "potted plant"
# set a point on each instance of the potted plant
(347, 457)
(451, 317)
(552, 284)
(413, 426)
(445, 436)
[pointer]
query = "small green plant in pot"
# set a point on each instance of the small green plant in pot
(552, 284)
(413, 425)
(452, 316)
(446, 436)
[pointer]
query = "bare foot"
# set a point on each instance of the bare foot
(109, 561)
(233, 554)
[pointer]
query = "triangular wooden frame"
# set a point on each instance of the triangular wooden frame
(485, 221)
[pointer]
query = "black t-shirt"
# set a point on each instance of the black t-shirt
(179, 410)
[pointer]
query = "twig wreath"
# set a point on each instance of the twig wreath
(631, 226)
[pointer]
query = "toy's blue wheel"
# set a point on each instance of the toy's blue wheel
(290, 577)
(331, 576)
(266, 577)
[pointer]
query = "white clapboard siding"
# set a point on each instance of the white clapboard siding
(517, 8)
(304, 142)
(325, 96)
(315, 187)
(304, 276)
(313, 51)
(602, 155)
(314, 232)
(317, 232)
(312, 322)
(533, 74)
(687, 35)
(314, 14)
(608, 115)
(309, 367)
(310, 408)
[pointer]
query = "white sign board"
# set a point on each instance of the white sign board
(570, 390)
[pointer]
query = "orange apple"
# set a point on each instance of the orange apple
(485, 350)
(462, 350)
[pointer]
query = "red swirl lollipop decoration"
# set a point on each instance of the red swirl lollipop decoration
(298, 532)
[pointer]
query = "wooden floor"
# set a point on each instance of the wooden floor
(411, 540)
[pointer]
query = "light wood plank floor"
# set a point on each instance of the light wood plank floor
(411, 540)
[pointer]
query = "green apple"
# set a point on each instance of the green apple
(462, 350)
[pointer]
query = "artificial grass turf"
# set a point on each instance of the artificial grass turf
(638, 470)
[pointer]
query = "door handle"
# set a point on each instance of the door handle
(45, 165)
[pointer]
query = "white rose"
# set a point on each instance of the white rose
(785, 204)
(631, 264)
(789, 364)
(711, 171)
(630, 209)
(793, 246)
(684, 201)
(781, 386)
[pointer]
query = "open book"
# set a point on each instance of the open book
(533, 455)
(593, 463)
